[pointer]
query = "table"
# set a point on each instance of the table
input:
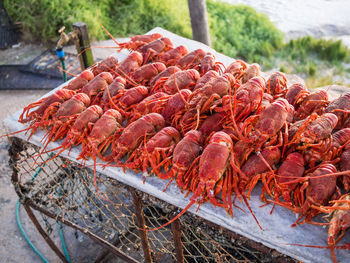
(276, 233)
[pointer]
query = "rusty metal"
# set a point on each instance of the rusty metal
(140, 219)
(43, 234)
(176, 230)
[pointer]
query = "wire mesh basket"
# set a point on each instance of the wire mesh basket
(115, 214)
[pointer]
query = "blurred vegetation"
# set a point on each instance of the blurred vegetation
(240, 31)
(42, 18)
(236, 30)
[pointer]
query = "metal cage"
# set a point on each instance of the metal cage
(115, 215)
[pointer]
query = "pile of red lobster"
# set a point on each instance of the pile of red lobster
(216, 131)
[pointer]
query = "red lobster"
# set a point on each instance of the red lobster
(293, 92)
(345, 166)
(155, 150)
(211, 74)
(292, 168)
(170, 57)
(152, 103)
(248, 97)
(155, 48)
(215, 161)
(164, 74)
(185, 152)
(191, 60)
(341, 108)
(106, 65)
(314, 102)
(319, 186)
(185, 79)
(262, 130)
(113, 89)
(98, 84)
(80, 81)
(208, 63)
(144, 74)
(276, 84)
(237, 69)
(253, 70)
(315, 131)
(203, 99)
(135, 133)
(137, 41)
(44, 104)
(101, 137)
(126, 99)
(129, 65)
(80, 129)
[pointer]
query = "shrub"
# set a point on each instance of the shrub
(236, 30)
(42, 18)
(303, 48)
(240, 31)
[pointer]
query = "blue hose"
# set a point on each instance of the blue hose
(19, 224)
(25, 235)
(60, 230)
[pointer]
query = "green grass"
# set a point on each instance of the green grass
(236, 30)
(240, 31)
(310, 56)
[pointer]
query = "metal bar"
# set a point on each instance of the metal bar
(94, 237)
(141, 223)
(176, 231)
(43, 233)
(83, 45)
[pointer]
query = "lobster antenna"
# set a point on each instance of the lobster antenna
(110, 99)
(198, 117)
(331, 247)
(294, 209)
(50, 135)
(189, 64)
(193, 201)
(12, 133)
(124, 75)
(251, 211)
(66, 71)
(104, 29)
(79, 54)
(57, 154)
(233, 113)
(178, 90)
(38, 154)
(312, 177)
(220, 65)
